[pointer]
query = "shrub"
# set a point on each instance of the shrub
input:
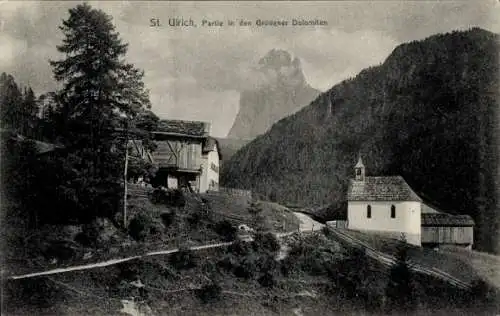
(210, 292)
(177, 198)
(226, 230)
(85, 240)
(240, 248)
(194, 219)
(267, 242)
(227, 263)
(140, 226)
(60, 249)
(399, 289)
(185, 258)
(168, 197)
(128, 271)
(158, 196)
(351, 272)
(267, 263)
(482, 292)
(246, 268)
(267, 280)
(168, 218)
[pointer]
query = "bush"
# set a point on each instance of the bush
(240, 248)
(185, 258)
(267, 280)
(168, 218)
(227, 263)
(246, 268)
(173, 198)
(210, 293)
(85, 239)
(226, 230)
(129, 271)
(400, 289)
(266, 242)
(194, 219)
(140, 226)
(267, 263)
(482, 292)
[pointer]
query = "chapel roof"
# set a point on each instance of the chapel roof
(391, 188)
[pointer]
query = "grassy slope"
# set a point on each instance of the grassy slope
(100, 291)
(235, 208)
(423, 256)
(180, 233)
(485, 265)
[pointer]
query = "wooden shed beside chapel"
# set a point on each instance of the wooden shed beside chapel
(442, 229)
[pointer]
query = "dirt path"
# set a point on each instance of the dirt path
(307, 223)
(120, 260)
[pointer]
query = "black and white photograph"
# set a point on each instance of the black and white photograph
(241, 158)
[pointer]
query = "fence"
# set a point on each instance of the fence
(136, 190)
(337, 224)
(233, 191)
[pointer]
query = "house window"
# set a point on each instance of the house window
(369, 211)
(358, 172)
(393, 211)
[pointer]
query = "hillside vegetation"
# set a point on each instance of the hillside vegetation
(319, 277)
(428, 113)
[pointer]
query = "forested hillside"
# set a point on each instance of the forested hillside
(428, 113)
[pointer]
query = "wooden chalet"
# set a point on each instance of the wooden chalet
(182, 153)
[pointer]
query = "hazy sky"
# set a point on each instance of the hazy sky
(197, 73)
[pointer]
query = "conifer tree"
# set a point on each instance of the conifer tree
(10, 102)
(28, 115)
(399, 291)
(101, 93)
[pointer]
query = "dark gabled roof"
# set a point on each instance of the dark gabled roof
(393, 188)
(445, 219)
(183, 128)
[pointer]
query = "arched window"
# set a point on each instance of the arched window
(369, 211)
(393, 211)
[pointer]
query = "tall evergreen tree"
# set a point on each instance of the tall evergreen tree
(100, 93)
(29, 110)
(400, 290)
(10, 102)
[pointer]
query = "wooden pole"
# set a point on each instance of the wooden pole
(125, 181)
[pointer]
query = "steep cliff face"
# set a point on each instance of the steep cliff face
(429, 113)
(283, 91)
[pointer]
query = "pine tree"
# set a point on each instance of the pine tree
(98, 84)
(10, 102)
(28, 113)
(399, 291)
(100, 94)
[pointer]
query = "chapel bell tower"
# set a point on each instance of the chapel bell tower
(359, 170)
